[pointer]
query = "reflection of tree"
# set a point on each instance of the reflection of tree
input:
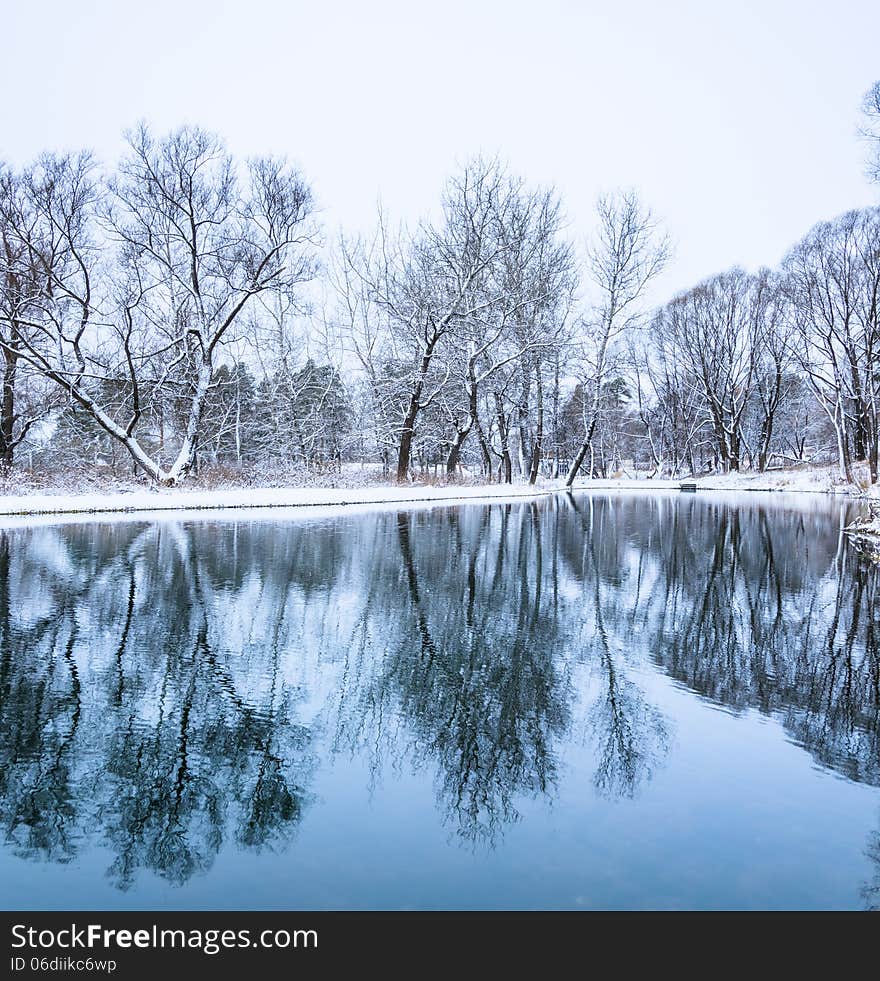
(749, 607)
(41, 706)
(152, 677)
(631, 735)
(487, 707)
(473, 668)
(163, 746)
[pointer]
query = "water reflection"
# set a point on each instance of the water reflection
(122, 715)
(170, 689)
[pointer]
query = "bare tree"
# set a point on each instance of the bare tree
(833, 282)
(146, 276)
(435, 313)
(417, 288)
(870, 130)
(512, 344)
(668, 403)
(628, 252)
(23, 403)
(713, 331)
(774, 358)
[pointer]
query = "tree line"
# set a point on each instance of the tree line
(182, 310)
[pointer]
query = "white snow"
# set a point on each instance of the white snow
(815, 480)
(271, 497)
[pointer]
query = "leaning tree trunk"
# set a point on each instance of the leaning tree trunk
(452, 460)
(581, 454)
(186, 456)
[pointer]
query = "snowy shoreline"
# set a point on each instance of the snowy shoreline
(813, 481)
(23, 505)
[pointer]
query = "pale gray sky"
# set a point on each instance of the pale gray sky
(736, 121)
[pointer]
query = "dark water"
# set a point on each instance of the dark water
(614, 702)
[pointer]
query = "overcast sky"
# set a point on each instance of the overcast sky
(736, 121)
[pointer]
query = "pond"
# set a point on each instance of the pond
(591, 702)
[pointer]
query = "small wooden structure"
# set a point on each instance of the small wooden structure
(688, 485)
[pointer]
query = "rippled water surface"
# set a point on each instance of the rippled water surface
(597, 702)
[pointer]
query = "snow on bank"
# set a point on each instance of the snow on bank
(865, 531)
(814, 480)
(181, 499)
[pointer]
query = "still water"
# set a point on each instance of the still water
(597, 702)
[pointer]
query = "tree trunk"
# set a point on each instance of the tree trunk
(484, 449)
(538, 447)
(594, 407)
(455, 451)
(503, 435)
(842, 448)
(461, 434)
(578, 460)
(415, 405)
(405, 448)
(765, 439)
(7, 409)
(186, 457)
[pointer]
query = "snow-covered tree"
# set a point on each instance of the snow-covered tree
(148, 273)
